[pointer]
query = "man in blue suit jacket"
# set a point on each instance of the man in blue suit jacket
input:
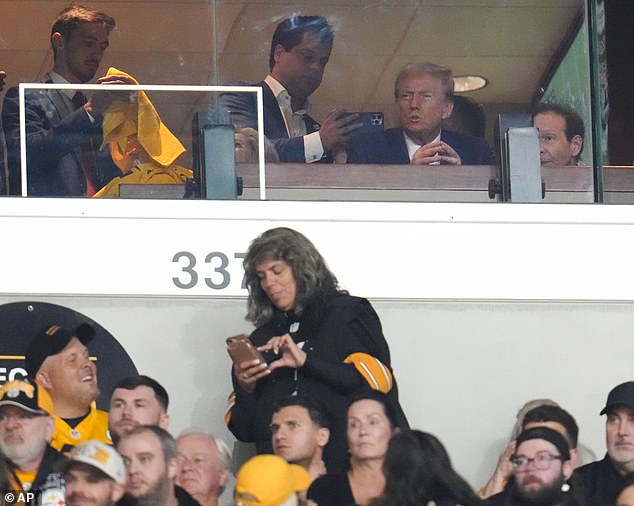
(300, 50)
(423, 93)
(63, 129)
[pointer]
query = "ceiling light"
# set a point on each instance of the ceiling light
(469, 83)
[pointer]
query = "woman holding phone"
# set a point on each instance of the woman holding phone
(318, 342)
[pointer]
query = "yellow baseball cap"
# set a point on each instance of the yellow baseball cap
(268, 480)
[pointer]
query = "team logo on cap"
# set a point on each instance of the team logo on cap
(12, 389)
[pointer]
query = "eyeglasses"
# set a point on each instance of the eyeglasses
(541, 461)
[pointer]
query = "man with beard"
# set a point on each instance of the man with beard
(151, 462)
(95, 475)
(602, 480)
(542, 472)
(137, 400)
(26, 427)
(59, 361)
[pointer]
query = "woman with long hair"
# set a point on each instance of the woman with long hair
(418, 472)
(318, 341)
(371, 425)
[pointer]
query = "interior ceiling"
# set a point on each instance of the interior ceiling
(195, 42)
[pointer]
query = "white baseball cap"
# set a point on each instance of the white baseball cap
(101, 456)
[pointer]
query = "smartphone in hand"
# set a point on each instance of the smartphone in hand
(241, 349)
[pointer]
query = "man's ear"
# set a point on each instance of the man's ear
(42, 378)
(567, 469)
(323, 436)
(223, 477)
(279, 49)
(117, 492)
(50, 428)
(575, 145)
(164, 421)
(57, 40)
(448, 109)
(173, 468)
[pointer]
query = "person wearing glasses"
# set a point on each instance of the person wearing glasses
(542, 472)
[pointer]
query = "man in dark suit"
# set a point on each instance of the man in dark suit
(300, 50)
(424, 95)
(63, 128)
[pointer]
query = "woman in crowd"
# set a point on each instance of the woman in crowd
(318, 341)
(418, 472)
(371, 424)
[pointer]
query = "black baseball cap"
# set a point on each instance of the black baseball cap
(27, 395)
(52, 340)
(620, 395)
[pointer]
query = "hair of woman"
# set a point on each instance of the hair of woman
(417, 470)
(315, 283)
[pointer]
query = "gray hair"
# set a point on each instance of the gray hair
(441, 72)
(224, 453)
(314, 280)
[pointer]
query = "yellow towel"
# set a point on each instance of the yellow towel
(147, 173)
(125, 118)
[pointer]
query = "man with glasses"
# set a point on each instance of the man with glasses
(26, 428)
(602, 480)
(542, 472)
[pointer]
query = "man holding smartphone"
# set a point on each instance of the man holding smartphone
(300, 50)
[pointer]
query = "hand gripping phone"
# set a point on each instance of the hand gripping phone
(241, 349)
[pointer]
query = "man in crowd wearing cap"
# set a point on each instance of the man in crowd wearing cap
(300, 431)
(137, 400)
(268, 480)
(151, 462)
(602, 480)
(204, 469)
(541, 471)
(26, 427)
(95, 475)
(58, 359)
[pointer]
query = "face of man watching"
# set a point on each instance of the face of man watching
(422, 106)
(79, 54)
(296, 438)
(538, 479)
(70, 376)
(86, 485)
(129, 408)
(619, 432)
(150, 476)
(301, 69)
(574, 460)
(202, 473)
(554, 147)
(24, 436)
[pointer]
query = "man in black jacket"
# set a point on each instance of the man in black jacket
(26, 428)
(602, 480)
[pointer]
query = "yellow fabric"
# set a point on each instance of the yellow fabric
(230, 405)
(146, 173)
(373, 371)
(94, 426)
(139, 117)
(26, 479)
